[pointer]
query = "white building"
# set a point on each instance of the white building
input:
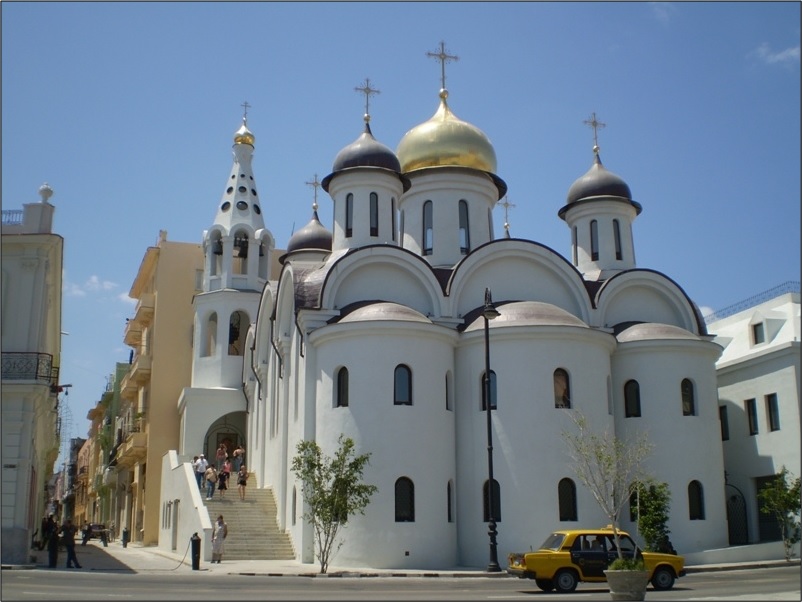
(758, 389)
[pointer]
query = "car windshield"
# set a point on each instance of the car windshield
(553, 542)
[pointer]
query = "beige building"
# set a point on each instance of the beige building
(30, 315)
(160, 335)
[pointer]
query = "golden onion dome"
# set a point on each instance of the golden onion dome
(244, 135)
(445, 140)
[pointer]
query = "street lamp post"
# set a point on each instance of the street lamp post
(489, 313)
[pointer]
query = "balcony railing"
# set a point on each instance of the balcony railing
(29, 366)
(12, 217)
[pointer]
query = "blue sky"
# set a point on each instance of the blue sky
(128, 110)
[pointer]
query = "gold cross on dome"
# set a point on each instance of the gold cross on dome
(506, 204)
(444, 58)
(368, 92)
(596, 125)
(315, 183)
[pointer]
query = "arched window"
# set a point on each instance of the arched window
(464, 231)
(493, 396)
(566, 495)
(562, 389)
(428, 232)
(632, 399)
(594, 240)
(216, 264)
(688, 398)
(450, 501)
(210, 338)
(237, 332)
(374, 214)
(342, 388)
(617, 238)
(349, 215)
(402, 386)
(496, 502)
(404, 501)
(239, 263)
(696, 501)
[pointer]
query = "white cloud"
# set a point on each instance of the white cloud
(663, 11)
(126, 299)
(96, 284)
(71, 289)
(787, 56)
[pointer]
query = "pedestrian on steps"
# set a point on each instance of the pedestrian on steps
(211, 481)
(242, 481)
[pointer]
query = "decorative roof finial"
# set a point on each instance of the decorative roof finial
(315, 183)
(245, 106)
(596, 125)
(506, 204)
(45, 191)
(368, 92)
(444, 58)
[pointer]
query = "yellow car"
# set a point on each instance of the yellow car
(568, 557)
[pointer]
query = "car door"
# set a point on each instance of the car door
(589, 554)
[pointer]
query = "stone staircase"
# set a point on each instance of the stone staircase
(253, 533)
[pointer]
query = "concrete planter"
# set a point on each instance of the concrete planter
(627, 585)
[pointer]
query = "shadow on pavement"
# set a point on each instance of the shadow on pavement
(91, 558)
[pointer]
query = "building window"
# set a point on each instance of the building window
(492, 391)
(450, 501)
(464, 231)
(773, 412)
(562, 389)
(633, 504)
(210, 338)
(294, 504)
(725, 423)
(751, 414)
(237, 332)
(374, 214)
(392, 216)
(496, 502)
(573, 247)
(617, 237)
(566, 494)
(632, 399)
(594, 240)
(758, 333)
(342, 388)
(402, 388)
(404, 501)
(490, 224)
(449, 401)
(349, 215)
(428, 232)
(401, 228)
(688, 398)
(696, 501)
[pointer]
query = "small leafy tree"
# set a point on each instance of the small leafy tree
(780, 497)
(607, 466)
(653, 506)
(333, 491)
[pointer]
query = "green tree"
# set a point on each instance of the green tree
(607, 466)
(653, 503)
(333, 491)
(780, 497)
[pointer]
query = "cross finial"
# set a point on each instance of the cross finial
(444, 58)
(315, 183)
(368, 92)
(506, 204)
(596, 125)
(245, 106)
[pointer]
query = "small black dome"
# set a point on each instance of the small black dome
(598, 182)
(312, 236)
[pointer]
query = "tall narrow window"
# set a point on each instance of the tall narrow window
(237, 332)
(492, 391)
(725, 423)
(633, 504)
(632, 399)
(574, 251)
(594, 240)
(374, 214)
(428, 232)
(349, 215)
(758, 333)
(751, 414)
(450, 502)
(562, 389)
(617, 238)
(696, 501)
(294, 504)
(566, 495)
(490, 224)
(402, 388)
(342, 388)
(773, 412)
(210, 340)
(464, 231)
(401, 228)
(392, 216)
(496, 502)
(449, 400)
(404, 501)
(688, 398)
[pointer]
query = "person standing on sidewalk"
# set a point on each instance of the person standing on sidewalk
(219, 534)
(52, 543)
(68, 533)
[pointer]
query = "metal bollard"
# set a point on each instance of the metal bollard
(125, 537)
(195, 541)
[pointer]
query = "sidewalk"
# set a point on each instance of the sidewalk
(137, 559)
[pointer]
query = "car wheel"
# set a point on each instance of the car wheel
(663, 578)
(565, 581)
(545, 584)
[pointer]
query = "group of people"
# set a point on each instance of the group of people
(53, 535)
(218, 476)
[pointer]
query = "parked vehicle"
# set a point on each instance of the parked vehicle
(570, 556)
(95, 530)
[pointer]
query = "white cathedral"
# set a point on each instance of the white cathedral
(375, 330)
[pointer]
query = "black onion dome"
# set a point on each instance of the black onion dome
(598, 181)
(365, 151)
(313, 235)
